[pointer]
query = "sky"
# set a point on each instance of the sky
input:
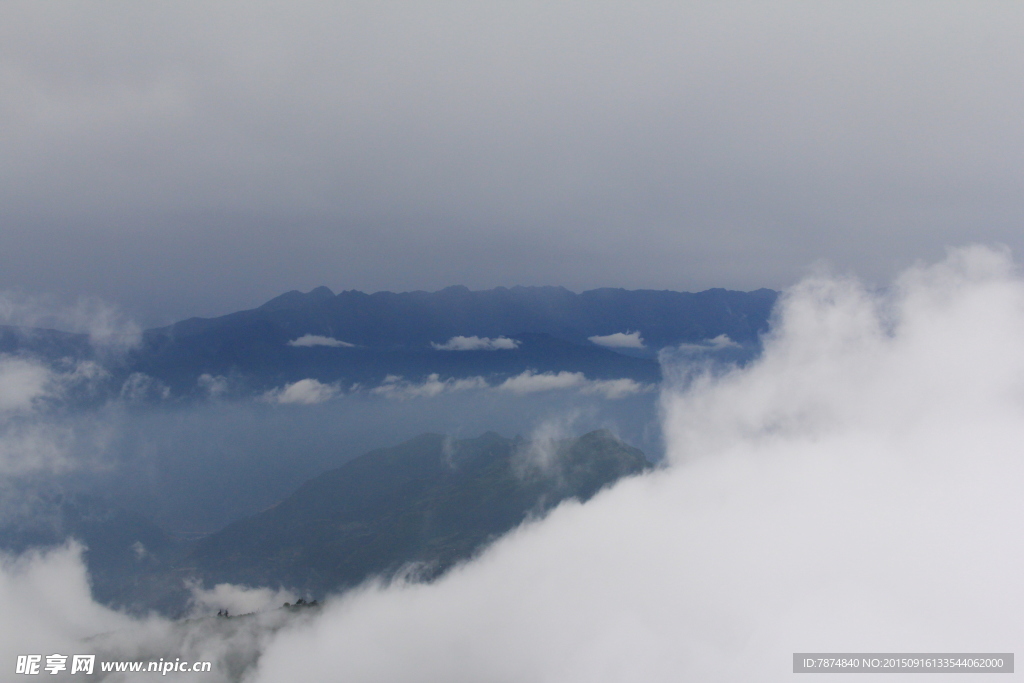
(178, 159)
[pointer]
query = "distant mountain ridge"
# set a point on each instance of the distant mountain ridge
(410, 319)
(381, 334)
(354, 338)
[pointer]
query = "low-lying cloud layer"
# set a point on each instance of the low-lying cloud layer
(530, 382)
(394, 386)
(107, 327)
(32, 437)
(319, 340)
(619, 340)
(718, 343)
(304, 392)
(475, 343)
(311, 391)
(22, 382)
(857, 488)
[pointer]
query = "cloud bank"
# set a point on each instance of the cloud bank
(530, 382)
(310, 391)
(394, 386)
(46, 606)
(718, 343)
(33, 435)
(237, 599)
(619, 340)
(22, 383)
(475, 343)
(107, 327)
(318, 340)
(304, 392)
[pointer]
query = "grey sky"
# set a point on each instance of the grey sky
(195, 158)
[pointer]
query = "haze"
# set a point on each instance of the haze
(194, 159)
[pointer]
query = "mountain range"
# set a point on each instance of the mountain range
(358, 338)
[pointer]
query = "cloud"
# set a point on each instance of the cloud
(32, 437)
(529, 382)
(477, 344)
(141, 387)
(213, 385)
(237, 599)
(540, 454)
(47, 608)
(395, 387)
(615, 388)
(107, 327)
(723, 341)
(318, 340)
(304, 392)
(718, 343)
(619, 340)
(22, 383)
(35, 445)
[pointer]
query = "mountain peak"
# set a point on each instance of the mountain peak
(296, 299)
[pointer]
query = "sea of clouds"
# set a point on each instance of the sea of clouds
(855, 489)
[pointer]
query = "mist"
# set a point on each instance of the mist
(856, 488)
(195, 467)
(198, 159)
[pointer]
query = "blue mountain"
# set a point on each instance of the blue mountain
(359, 337)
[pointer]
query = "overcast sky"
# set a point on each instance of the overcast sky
(195, 158)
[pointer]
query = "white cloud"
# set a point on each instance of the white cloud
(213, 385)
(620, 340)
(47, 608)
(32, 439)
(35, 445)
(527, 382)
(615, 388)
(530, 382)
(107, 327)
(237, 599)
(723, 341)
(540, 453)
(477, 344)
(318, 340)
(718, 343)
(304, 392)
(83, 373)
(26, 384)
(395, 387)
(141, 387)
(22, 383)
